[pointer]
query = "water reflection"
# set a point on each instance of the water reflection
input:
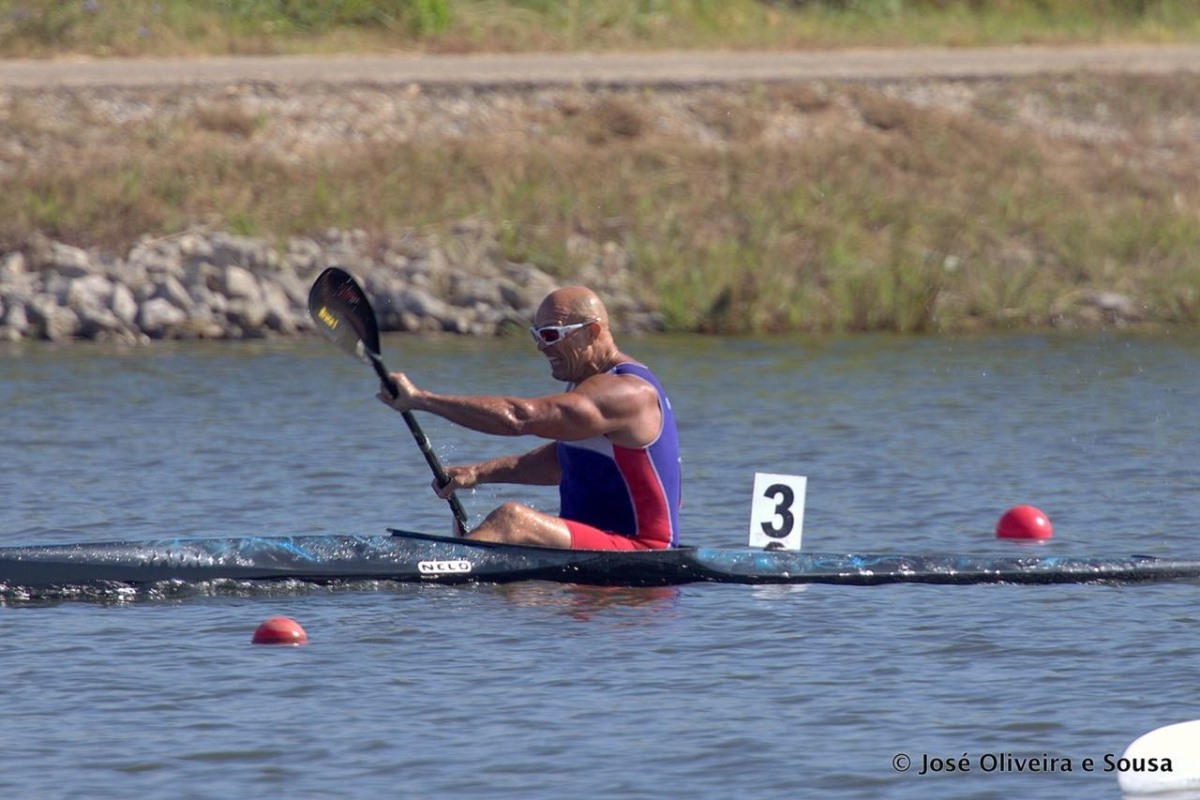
(585, 603)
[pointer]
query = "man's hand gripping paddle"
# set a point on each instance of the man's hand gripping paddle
(342, 312)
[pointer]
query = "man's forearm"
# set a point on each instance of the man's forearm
(537, 467)
(499, 416)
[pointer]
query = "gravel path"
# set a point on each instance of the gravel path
(675, 68)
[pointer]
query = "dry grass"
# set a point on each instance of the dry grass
(758, 209)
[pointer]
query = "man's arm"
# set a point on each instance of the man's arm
(604, 404)
(537, 467)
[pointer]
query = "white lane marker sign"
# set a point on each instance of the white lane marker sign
(777, 511)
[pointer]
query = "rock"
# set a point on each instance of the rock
(70, 262)
(239, 251)
(249, 315)
(11, 266)
(170, 288)
(216, 303)
(278, 308)
(303, 255)
(40, 252)
(123, 304)
(216, 285)
(295, 289)
(158, 316)
(194, 248)
(201, 328)
(130, 274)
(526, 287)
(90, 297)
(89, 291)
(51, 321)
(201, 275)
(96, 323)
(239, 283)
(1095, 308)
(1113, 306)
(157, 257)
(14, 316)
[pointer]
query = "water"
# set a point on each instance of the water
(543, 691)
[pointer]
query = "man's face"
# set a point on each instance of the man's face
(567, 353)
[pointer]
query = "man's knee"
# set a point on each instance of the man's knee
(519, 524)
(507, 514)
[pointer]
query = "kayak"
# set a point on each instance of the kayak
(408, 556)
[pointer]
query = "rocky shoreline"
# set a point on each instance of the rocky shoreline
(214, 285)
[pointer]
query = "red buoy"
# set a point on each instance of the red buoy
(1024, 522)
(280, 630)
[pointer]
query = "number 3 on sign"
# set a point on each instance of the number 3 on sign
(777, 512)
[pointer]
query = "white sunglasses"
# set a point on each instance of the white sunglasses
(552, 334)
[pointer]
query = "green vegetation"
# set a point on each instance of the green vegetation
(884, 214)
(180, 27)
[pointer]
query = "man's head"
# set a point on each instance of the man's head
(571, 329)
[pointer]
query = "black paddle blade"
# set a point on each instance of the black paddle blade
(341, 311)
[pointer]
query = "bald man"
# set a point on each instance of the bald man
(612, 446)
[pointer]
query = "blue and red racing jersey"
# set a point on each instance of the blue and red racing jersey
(633, 491)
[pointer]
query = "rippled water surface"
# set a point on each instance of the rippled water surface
(547, 691)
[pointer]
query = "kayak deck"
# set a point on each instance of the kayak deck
(415, 557)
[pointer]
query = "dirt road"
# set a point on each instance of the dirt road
(692, 68)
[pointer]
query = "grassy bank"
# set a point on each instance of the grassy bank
(776, 208)
(181, 27)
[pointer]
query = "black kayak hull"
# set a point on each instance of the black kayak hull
(414, 557)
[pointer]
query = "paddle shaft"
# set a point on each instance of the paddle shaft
(423, 441)
(426, 448)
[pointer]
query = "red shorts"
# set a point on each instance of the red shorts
(585, 537)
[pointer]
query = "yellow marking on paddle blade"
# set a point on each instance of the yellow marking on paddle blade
(330, 320)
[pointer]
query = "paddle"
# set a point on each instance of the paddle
(342, 312)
